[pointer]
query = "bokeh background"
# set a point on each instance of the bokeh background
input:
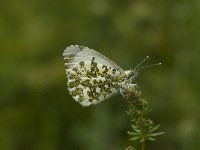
(36, 111)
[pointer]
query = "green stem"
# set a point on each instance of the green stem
(143, 145)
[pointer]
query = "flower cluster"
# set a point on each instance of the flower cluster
(143, 128)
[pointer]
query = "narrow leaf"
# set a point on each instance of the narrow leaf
(135, 138)
(157, 134)
(142, 140)
(151, 139)
(132, 133)
(154, 128)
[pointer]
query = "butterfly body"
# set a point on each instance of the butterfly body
(92, 77)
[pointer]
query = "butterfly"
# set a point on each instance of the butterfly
(92, 77)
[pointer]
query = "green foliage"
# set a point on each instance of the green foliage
(143, 135)
(143, 127)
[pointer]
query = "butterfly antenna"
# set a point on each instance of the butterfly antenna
(158, 64)
(136, 68)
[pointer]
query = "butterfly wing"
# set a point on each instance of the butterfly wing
(91, 76)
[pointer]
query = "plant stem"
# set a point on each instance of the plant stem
(143, 145)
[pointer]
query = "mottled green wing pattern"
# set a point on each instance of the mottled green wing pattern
(91, 76)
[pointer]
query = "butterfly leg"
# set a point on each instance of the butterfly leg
(122, 91)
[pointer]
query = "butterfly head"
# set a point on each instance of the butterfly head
(131, 75)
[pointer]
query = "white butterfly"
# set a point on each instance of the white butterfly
(93, 77)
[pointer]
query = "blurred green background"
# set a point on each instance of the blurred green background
(36, 111)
